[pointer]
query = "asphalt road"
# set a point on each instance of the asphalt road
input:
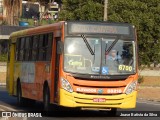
(8, 103)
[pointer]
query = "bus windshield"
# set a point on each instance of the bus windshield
(108, 59)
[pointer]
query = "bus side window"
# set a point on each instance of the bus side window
(45, 46)
(40, 49)
(21, 54)
(30, 48)
(17, 56)
(34, 47)
(49, 47)
(45, 43)
(26, 49)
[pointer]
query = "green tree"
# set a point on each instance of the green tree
(81, 10)
(144, 14)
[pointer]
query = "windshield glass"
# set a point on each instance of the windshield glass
(119, 59)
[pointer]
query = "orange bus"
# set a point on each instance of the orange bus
(77, 64)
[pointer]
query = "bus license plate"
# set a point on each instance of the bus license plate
(99, 100)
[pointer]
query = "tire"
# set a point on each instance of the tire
(46, 100)
(20, 100)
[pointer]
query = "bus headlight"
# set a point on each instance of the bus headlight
(131, 87)
(66, 85)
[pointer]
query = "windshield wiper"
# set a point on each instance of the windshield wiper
(87, 44)
(112, 45)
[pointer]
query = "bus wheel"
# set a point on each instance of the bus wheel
(46, 99)
(20, 99)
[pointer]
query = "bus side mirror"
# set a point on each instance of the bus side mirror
(60, 47)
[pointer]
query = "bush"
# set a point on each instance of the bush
(140, 79)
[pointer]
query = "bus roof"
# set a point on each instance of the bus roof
(39, 29)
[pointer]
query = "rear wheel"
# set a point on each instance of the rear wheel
(46, 99)
(20, 100)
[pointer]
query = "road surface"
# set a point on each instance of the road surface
(8, 103)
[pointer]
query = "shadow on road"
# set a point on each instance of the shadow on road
(5, 98)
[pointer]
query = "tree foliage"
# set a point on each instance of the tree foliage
(81, 10)
(144, 14)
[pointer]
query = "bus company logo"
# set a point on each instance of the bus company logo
(100, 91)
(100, 77)
(86, 90)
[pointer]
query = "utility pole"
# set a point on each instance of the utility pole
(105, 10)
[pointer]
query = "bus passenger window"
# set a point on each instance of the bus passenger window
(49, 47)
(30, 48)
(34, 47)
(17, 56)
(40, 49)
(26, 49)
(45, 43)
(21, 55)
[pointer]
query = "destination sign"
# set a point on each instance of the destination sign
(90, 28)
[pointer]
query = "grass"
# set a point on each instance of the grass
(140, 79)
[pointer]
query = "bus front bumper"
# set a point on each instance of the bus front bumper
(86, 101)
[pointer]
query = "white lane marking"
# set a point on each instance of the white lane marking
(8, 108)
(148, 103)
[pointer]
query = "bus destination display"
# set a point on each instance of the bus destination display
(75, 28)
